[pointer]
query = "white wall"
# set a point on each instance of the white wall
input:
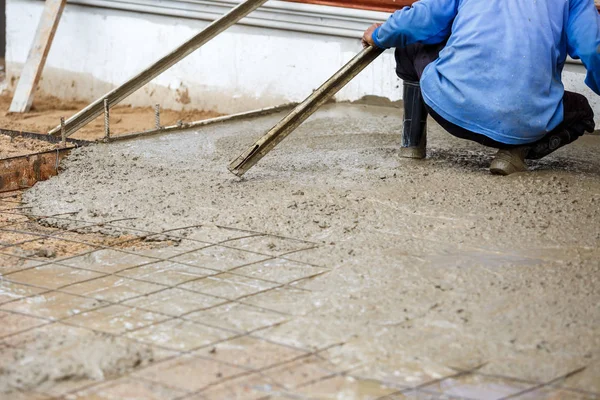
(243, 68)
(246, 67)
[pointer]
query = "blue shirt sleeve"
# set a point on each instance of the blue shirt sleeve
(427, 21)
(583, 39)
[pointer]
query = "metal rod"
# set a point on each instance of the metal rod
(157, 116)
(41, 136)
(63, 137)
(198, 124)
(262, 146)
(93, 110)
(106, 120)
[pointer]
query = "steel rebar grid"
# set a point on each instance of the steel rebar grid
(425, 388)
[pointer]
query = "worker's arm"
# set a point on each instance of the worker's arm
(427, 21)
(583, 38)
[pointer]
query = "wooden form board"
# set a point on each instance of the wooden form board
(24, 171)
(32, 71)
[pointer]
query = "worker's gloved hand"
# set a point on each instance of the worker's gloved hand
(367, 39)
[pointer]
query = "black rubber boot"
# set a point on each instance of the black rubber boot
(414, 133)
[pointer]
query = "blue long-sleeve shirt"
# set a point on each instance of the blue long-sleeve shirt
(500, 72)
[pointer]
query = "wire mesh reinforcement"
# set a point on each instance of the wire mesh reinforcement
(77, 281)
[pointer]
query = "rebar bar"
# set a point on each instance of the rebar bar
(157, 116)
(106, 120)
(63, 137)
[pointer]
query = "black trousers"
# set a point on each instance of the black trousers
(578, 114)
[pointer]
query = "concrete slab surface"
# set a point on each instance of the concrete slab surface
(333, 270)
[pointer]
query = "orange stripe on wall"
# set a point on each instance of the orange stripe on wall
(376, 5)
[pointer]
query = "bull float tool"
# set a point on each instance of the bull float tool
(113, 97)
(318, 98)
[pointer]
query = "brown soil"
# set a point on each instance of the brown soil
(19, 146)
(46, 112)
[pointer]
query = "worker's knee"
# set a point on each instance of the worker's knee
(577, 110)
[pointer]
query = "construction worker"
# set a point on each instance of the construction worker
(490, 71)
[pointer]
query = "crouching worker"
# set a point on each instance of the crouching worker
(490, 71)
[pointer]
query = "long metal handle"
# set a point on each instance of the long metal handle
(92, 111)
(262, 146)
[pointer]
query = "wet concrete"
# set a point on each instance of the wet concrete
(57, 354)
(435, 265)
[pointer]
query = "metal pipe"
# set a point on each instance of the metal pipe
(262, 146)
(92, 111)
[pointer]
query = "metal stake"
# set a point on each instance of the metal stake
(63, 136)
(319, 97)
(106, 120)
(157, 116)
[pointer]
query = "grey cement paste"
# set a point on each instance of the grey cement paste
(437, 264)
